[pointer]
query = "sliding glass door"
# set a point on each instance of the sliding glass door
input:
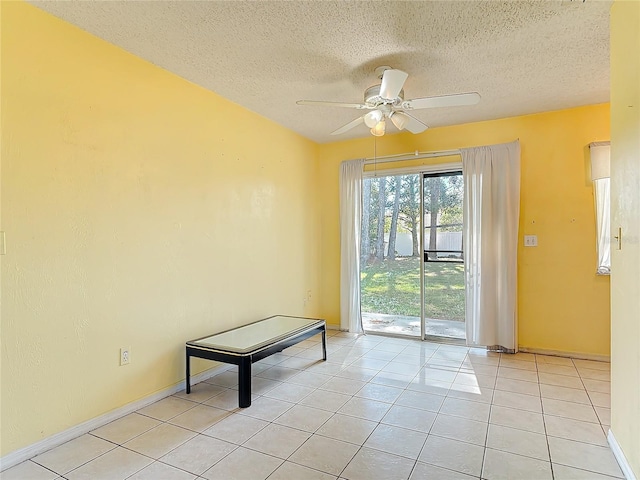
(390, 255)
(443, 255)
(411, 255)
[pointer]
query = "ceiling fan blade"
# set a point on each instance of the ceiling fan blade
(413, 124)
(315, 103)
(442, 101)
(349, 126)
(392, 83)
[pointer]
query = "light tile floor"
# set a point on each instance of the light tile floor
(379, 408)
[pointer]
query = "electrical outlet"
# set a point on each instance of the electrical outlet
(530, 240)
(125, 356)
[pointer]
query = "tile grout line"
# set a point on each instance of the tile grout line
(546, 437)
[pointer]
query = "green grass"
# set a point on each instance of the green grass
(393, 288)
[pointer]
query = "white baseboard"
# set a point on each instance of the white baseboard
(620, 458)
(559, 353)
(57, 439)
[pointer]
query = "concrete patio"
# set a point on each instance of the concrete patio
(405, 325)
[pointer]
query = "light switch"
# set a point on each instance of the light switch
(530, 240)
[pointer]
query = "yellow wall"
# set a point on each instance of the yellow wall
(625, 213)
(563, 305)
(140, 210)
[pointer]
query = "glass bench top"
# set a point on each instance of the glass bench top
(258, 334)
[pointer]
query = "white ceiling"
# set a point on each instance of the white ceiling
(521, 56)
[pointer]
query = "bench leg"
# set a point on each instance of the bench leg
(244, 382)
(324, 343)
(188, 376)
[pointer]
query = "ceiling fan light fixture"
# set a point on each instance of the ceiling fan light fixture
(399, 119)
(379, 129)
(373, 118)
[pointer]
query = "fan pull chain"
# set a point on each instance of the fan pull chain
(375, 164)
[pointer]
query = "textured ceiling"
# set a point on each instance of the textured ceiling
(521, 56)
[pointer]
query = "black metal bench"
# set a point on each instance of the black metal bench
(250, 343)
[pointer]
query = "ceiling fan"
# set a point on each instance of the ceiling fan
(386, 101)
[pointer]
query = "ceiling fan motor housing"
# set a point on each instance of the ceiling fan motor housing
(372, 97)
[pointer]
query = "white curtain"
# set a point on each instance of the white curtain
(600, 172)
(602, 194)
(491, 211)
(350, 231)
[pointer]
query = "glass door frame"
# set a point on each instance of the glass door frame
(439, 168)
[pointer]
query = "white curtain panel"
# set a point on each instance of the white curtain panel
(350, 231)
(600, 172)
(602, 197)
(491, 211)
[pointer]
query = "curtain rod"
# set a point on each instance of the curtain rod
(411, 156)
